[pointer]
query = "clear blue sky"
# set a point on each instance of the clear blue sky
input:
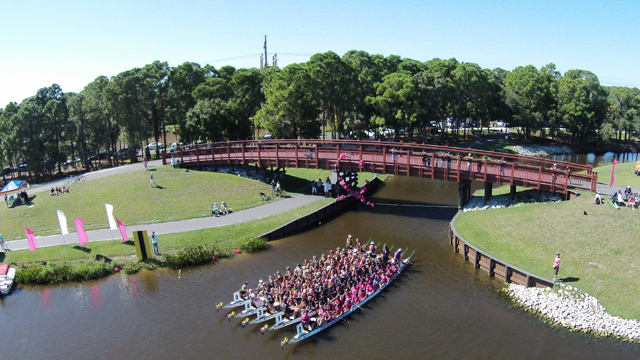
(73, 42)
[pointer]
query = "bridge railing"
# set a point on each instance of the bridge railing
(379, 157)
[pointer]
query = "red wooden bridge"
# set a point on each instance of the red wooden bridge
(401, 159)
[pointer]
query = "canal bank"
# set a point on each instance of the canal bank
(593, 260)
(440, 308)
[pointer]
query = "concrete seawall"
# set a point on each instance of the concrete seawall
(324, 214)
(493, 265)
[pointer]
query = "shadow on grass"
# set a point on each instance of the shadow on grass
(150, 169)
(129, 242)
(83, 249)
(570, 279)
(103, 258)
(2, 256)
(159, 187)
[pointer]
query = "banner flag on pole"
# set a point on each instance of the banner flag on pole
(613, 171)
(82, 235)
(112, 221)
(123, 231)
(63, 223)
(31, 238)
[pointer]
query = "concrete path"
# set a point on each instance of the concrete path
(269, 208)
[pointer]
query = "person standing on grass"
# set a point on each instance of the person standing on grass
(154, 241)
(152, 181)
(4, 245)
(314, 187)
(556, 266)
(145, 161)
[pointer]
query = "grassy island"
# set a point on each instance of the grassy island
(598, 244)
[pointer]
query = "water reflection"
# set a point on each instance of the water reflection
(597, 160)
(441, 306)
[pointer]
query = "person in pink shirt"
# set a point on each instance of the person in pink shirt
(556, 266)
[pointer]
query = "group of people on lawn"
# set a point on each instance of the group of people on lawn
(618, 198)
(320, 188)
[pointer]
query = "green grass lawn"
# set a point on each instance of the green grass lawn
(499, 146)
(181, 195)
(624, 174)
(226, 237)
(599, 250)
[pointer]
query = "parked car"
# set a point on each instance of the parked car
(123, 153)
(8, 170)
(268, 137)
(105, 154)
(174, 146)
(154, 145)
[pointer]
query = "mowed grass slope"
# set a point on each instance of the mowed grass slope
(600, 250)
(225, 237)
(624, 174)
(181, 195)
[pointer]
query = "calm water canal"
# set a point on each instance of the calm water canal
(440, 308)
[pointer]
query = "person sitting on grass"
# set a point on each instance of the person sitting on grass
(627, 192)
(632, 202)
(598, 199)
(225, 211)
(621, 199)
(614, 199)
(215, 210)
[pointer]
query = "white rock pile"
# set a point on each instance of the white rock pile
(502, 201)
(574, 309)
(538, 150)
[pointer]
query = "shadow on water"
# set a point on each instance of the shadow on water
(413, 210)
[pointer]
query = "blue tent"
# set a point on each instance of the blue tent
(13, 185)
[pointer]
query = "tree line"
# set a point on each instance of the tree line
(356, 95)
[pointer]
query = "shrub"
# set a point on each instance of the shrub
(55, 273)
(254, 244)
(194, 255)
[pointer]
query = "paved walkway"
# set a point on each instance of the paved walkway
(269, 208)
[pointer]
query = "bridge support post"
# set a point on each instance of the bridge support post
(512, 194)
(464, 189)
(488, 189)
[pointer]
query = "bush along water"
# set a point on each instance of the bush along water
(55, 273)
(254, 244)
(194, 255)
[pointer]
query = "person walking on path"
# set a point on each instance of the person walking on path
(152, 181)
(154, 241)
(4, 245)
(145, 161)
(556, 266)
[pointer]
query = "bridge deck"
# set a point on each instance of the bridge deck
(423, 161)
